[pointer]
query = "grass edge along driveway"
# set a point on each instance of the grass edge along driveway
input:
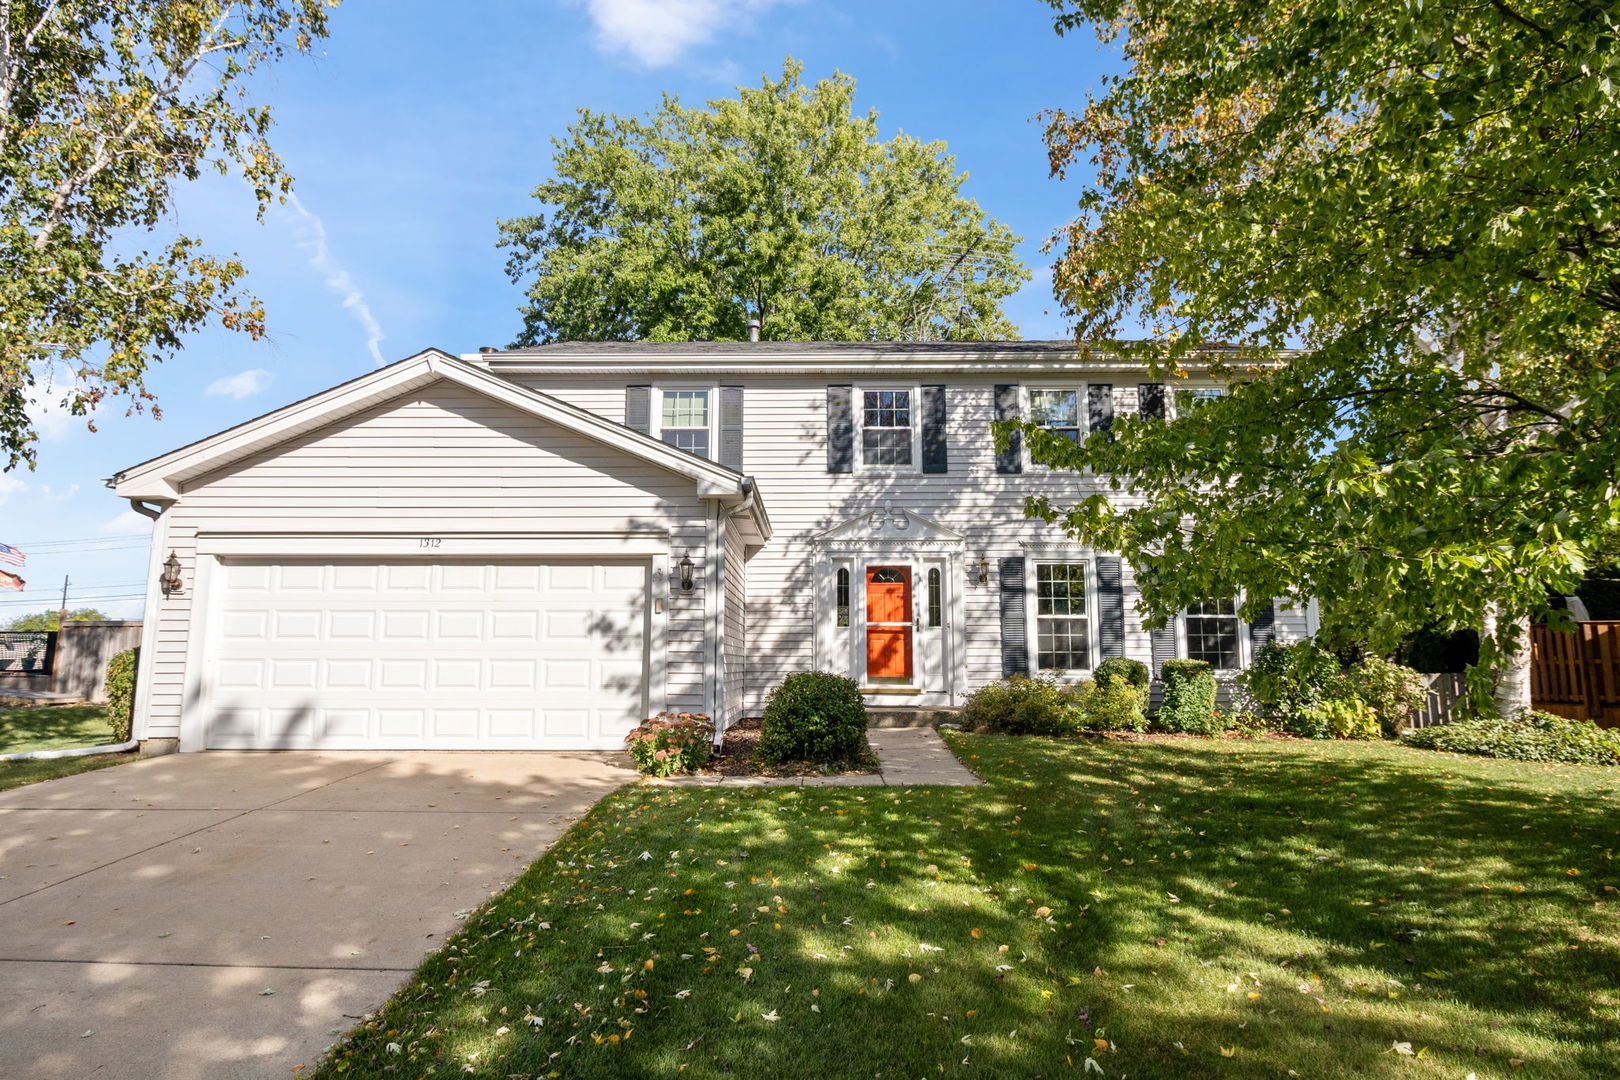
(25, 729)
(1168, 909)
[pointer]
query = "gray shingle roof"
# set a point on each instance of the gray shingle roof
(816, 348)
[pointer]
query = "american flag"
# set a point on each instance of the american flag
(11, 581)
(14, 556)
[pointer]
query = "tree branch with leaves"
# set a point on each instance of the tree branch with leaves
(104, 105)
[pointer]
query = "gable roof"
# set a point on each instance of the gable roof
(162, 477)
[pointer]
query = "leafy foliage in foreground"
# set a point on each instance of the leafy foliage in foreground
(1534, 736)
(1168, 910)
(1423, 196)
(104, 106)
(779, 204)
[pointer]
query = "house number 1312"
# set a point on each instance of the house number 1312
(429, 542)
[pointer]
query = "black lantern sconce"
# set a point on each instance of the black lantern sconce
(686, 568)
(170, 581)
(983, 571)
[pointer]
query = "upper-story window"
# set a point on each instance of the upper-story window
(683, 420)
(1058, 411)
(887, 430)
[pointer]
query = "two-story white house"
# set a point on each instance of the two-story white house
(537, 548)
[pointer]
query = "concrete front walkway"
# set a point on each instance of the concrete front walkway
(224, 915)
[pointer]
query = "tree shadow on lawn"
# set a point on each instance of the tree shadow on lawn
(1167, 910)
(52, 727)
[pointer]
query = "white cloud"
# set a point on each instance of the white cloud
(312, 237)
(241, 385)
(10, 485)
(656, 33)
(127, 522)
(59, 496)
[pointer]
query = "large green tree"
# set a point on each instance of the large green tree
(781, 205)
(52, 620)
(104, 105)
(1424, 197)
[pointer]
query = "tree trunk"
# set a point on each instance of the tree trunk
(1510, 678)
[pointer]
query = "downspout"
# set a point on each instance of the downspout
(716, 582)
(153, 512)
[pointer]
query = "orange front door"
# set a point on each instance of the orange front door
(888, 622)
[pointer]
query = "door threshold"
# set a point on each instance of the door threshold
(891, 690)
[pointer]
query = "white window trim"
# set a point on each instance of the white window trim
(857, 404)
(1244, 645)
(1032, 636)
(655, 409)
(1082, 413)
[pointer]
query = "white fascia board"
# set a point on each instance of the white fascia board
(163, 477)
(712, 479)
(809, 364)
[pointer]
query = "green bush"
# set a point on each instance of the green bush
(1534, 736)
(1188, 704)
(813, 716)
(1284, 679)
(121, 693)
(1339, 718)
(1389, 689)
(1133, 672)
(1020, 705)
(671, 743)
(1113, 705)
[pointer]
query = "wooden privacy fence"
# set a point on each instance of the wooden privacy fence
(1576, 673)
(1442, 692)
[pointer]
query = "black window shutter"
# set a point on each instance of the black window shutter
(1111, 607)
(1014, 630)
(1100, 406)
(1010, 460)
(1164, 647)
(731, 427)
(1150, 400)
(638, 408)
(934, 457)
(1264, 627)
(840, 430)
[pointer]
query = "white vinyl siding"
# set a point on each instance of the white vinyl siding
(785, 450)
(440, 460)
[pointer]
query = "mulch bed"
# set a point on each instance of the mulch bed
(738, 756)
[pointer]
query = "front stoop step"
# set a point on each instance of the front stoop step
(910, 718)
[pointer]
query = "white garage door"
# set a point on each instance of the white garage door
(428, 655)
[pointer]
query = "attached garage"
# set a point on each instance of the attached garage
(413, 655)
(431, 557)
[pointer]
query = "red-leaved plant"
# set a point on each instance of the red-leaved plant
(671, 743)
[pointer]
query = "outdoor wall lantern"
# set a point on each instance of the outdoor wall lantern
(686, 572)
(170, 581)
(984, 570)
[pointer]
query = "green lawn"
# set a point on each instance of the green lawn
(54, 727)
(1171, 909)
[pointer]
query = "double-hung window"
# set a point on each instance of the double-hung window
(1062, 624)
(886, 428)
(683, 420)
(1058, 411)
(1212, 634)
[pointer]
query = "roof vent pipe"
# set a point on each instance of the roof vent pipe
(753, 329)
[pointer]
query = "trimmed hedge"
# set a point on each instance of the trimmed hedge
(1535, 736)
(1188, 704)
(1113, 705)
(1020, 705)
(1132, 671)
(814, 716)
(121, 693)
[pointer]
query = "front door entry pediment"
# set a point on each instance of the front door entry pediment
(887, 527)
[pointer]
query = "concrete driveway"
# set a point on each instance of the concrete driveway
(146, 910)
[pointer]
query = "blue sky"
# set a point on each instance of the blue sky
(413, 130)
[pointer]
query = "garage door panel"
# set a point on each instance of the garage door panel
(465, 655)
